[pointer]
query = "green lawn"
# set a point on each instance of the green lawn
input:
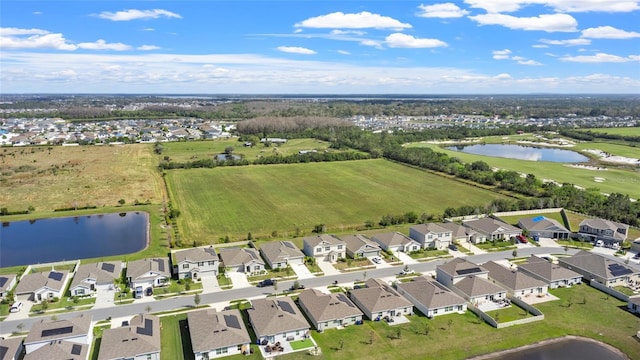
(630, 131)
(301, 344)
(614, 149)
(428, 254)
(616, 180)
(65, 303)
(282, 198)
(511, 313)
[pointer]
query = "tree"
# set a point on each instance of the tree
(275, 288)
(228, 150)
(196, 299)
(320, 228)
(514, 253)
(249, 236)
(44, 305)
(121, 201)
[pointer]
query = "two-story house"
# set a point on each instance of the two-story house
(147, 273)
(324, 247)
(431, 236)
(196, 262)
(470, 281)
(608, 232)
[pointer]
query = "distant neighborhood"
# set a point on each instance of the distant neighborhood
(282, 322)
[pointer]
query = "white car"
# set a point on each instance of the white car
(407, 271)
(15, 307)
(376, 260)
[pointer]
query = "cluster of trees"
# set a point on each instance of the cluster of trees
(588, 135)
(291, 125)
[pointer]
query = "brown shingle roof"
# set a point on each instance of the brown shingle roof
(239, 256)
(392, 239)
(431, 293)
(137, 268)
(9, 347)
(32, 282)
(279, 251)
(102, 272)
(142, 336)
(196, 255)
(49, 330)
(325, 307)
(461, 267)
(547, 270)
(210, 329)
(273, 316)
(598, 265)
(320, 239)
(64, 350)
(378, 296)
(514, 280)
(357, 241)
(474, 286)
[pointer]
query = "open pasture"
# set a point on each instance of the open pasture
(262, 199)
(613, 180)
(59, 176)
(628, 131)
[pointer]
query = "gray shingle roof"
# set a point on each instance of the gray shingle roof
(461, 267)
(142, 336)
(634, 299)
(324, 307)
(358, 241)
(32, 282)
(9, 347)
(378, 296)
(603, 224)
(457, 231)
(547, 270)
(5, 281)
(597, 265)
(430, 293)
(392, 239)
(64, 350)
(313, 241)
(542, 224)
(430, 228)
(239, 256)
(280, 251)
(196, 255)
(102, 272)
(49, 330)
(273, 316)
(474, 286)
(210, 329)
(512, 279)
(491, 226)
(137, 268)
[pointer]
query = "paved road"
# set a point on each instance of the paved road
(118, 311)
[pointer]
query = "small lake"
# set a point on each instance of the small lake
(564, 349)
(522, 152)
(70, 238)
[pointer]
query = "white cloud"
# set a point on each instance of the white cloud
(10, 31)
(444, 11)
(372, 43)
(501, 54)
(148, 47)
(348, 32)
(528, 62)
(296, 50)
(568, 42)
(37, 13)
(148, 29)
(503, 76)
(48, 41)
(361, 20)
(544, 22)
(399, 40)
(343, 52)
(134, 14)
(539, 46)
(601, 58)
(103, 45)
(608, 32)
(496, 6)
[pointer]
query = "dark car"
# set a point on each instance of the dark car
(637, 256)
(266, 282)
(149, 291)
(453, 247)
(296, 286)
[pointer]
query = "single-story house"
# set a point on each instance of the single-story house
(11, 348)
(544, 227)
(148, 272)
(359, 246)
(516, 282)
(395, 241)
(43, 285)
(431, 297)
(478, 290)
(279, 254)
(196, 262)
(244, 260)
(90, 276)
(217, 334)
(634, 304)
(60, 350)
(139, 340)
(458, 269)
(459, 233)
(328, 311)
(324, 247)
(277, 319)
(431, 236)
(552, 274)
(489, 229)
(76, 330)
(601, 269)
(7, 282)
(378, 300)
(609, 232)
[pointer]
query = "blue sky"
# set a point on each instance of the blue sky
(316, 47)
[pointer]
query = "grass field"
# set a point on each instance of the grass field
(630, 131)
(615, 180)
(55, 177)
(207, 149)
(614, 149)
(262, 199)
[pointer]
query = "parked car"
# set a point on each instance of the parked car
(522, 239)
(266, 282)
(296, 286)
(15, 307)
(149, 291)
(453, 247)
(407, 271)
(599, 243)
(637, 256)
(376, 259)
(138, 292)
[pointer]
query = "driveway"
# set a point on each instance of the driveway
(209, 284)
(603, 250)
(474, 249)
(547, 242)
(104, 297)
(405, 258)
(327, 268)
(24, 312)
(302, 271)
(238, 279)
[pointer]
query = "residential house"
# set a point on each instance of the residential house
(378, 300)
(244, 260)
(431, 297)
(459, 233)
(516, 282)
(277, 319)
(43, 285)
(324, 247)
(469, 281)
(595, 267)
(328, 311)
(359, 246)
(217, 334)
(196, 262)
(633, 304)
(90, 276)
(7, 282)
(544, 227)
(148, 272)
(489, 229)
(60, 350)
(11, 348)
(552, 274)
(76, 330)
(279, 254)
(140, 340)
(457, 269)
(599, 229)
(431, 236)
(395, 241)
